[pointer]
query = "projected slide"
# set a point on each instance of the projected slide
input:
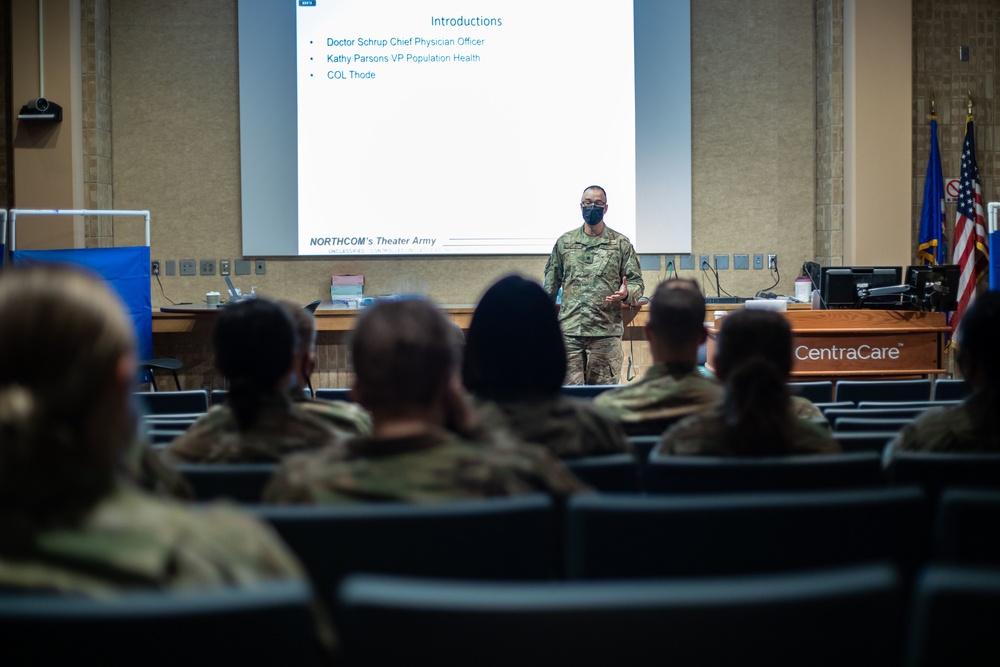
(433, 129)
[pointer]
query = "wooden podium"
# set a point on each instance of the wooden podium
(862, 343)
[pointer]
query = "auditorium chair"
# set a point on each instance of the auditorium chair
(955, 616)
(833, 415)
(889, 425)
(242, 482)
(833, 618)
(339, 394)
(269, 623)
(497, 538)
(174, 402)
(616, 536)
(965, 531)
(816, 392)
(613, 472)
(951, 390)
(902, 405)
(864, 441)
(587, 390)
(148, 368)
(937, 471)
(669, 474)
(882, 390)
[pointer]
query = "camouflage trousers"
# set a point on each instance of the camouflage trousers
(593, 359)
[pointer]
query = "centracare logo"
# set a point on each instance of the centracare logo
(835, 353)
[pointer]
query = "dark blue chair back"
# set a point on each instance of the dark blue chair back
(835, 618)
(242, 482)
(966, 527)
(713, 474)
(882, 390)
(500, 538)
(615, 472)
(174, 402)
(269, 623)
(956, 613)
(664, 536)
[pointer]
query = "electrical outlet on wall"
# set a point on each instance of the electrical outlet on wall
(154, 267)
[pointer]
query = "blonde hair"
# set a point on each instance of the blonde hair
(62, 335)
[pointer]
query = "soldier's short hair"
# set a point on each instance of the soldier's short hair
(594, 187)
(403, 354)
(677, 311)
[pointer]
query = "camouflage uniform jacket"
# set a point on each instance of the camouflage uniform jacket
(952, 429)
(803, 408)
(664, 392)
(569, 428)
(132, 540)
(588, 269)
(280, 429)
(348, 418)
(433, 467)
(703, 435)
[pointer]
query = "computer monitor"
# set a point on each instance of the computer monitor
(933, 287)
(844, 286)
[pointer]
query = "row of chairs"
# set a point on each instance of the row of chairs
(198, 401)
(854, 391)
(631, 536)
(844, 616)
(627, 473)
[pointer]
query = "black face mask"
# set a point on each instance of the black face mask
(593, 215)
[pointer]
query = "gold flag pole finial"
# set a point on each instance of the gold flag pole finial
(933, 105)
(969, 105)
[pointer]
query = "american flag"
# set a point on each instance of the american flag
(970, 228)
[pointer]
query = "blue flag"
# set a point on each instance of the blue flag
(931, 248)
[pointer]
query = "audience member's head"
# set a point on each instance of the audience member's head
(978, 352)
(404, 359)
(304, 359)
(514, 348)
(753, 357)
(67, 369)
(676, 325)
(254, 342)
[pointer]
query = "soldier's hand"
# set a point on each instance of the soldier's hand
(621, 294)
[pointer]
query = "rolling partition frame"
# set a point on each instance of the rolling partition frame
(14, 212)
(993, 242)
(3, 237)
(133, 287)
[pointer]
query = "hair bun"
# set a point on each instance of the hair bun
(17, 407)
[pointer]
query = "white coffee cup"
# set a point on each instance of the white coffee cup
(212, 299)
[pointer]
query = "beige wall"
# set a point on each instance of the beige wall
(938, 31)
(48, 157)
(878, 56)
(176, 143)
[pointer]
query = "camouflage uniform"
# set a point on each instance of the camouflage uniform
(348, 418)
(803, 408)
(569, 428)
(703, 435)
(952, 429)
(665, 393)
(588, 269)
(280, 429)
(132, 540)
(438, 466)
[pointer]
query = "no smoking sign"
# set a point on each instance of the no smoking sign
(951, 189)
